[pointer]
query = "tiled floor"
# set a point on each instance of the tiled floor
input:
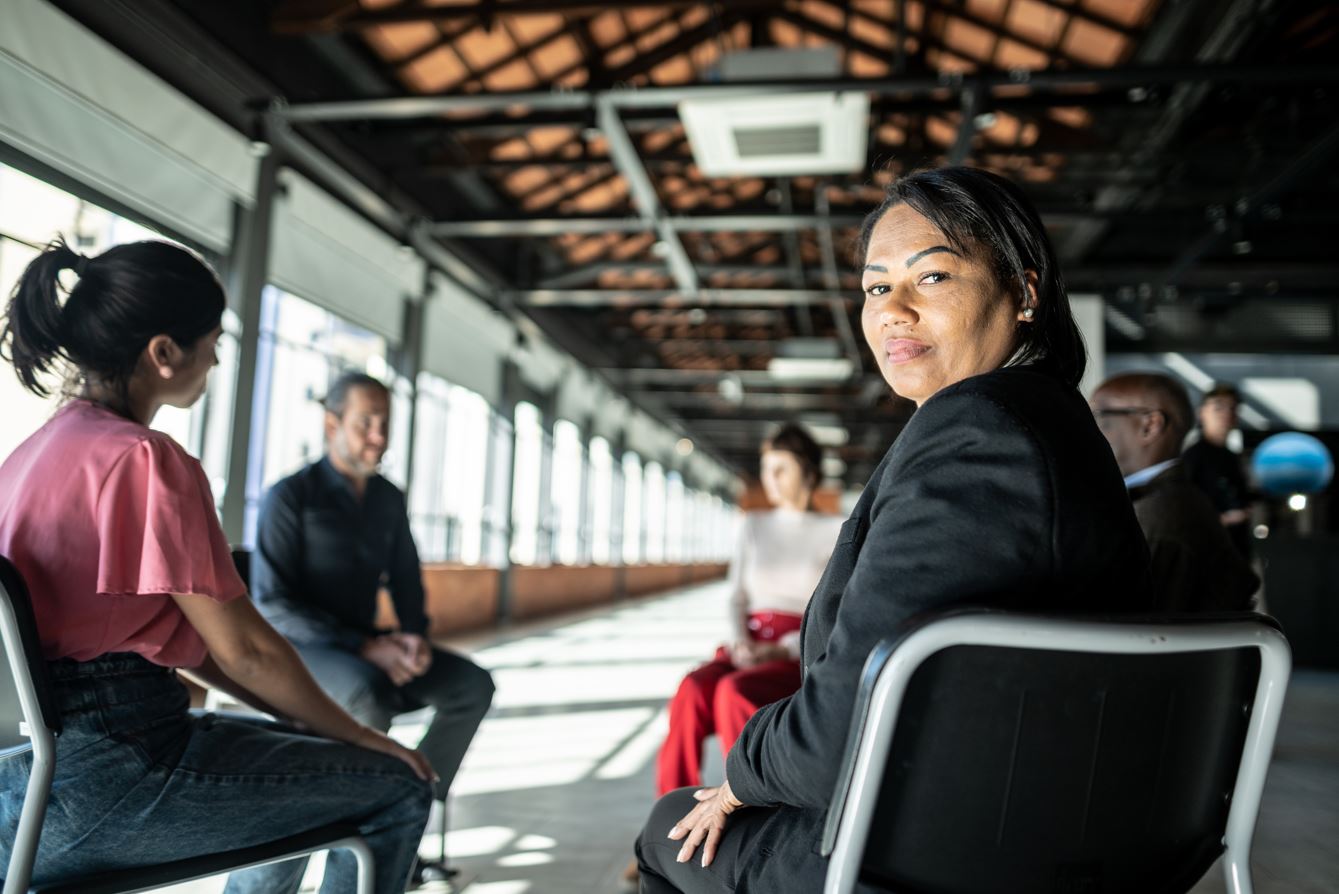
(559, 779)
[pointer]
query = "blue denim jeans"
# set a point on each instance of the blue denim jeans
(141, 780)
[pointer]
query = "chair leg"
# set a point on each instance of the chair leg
(366, 867)
(1236, 873)
(437, 870)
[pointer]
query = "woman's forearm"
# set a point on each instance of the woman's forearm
(273, 673)
(209, 675)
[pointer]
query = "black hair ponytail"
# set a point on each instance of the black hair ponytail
(122, 298)
(32, 337)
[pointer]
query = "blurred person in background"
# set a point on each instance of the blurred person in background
(1214, 468)
(779, 557)
(1146, 417)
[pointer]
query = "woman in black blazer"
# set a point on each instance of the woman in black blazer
(1000, 491)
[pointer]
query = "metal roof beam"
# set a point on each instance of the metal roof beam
(1063, 79)
(716, 223)
(656, 297)
(624, 153)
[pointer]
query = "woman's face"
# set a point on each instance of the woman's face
(932, 316)
(188, 383)
(783, 479)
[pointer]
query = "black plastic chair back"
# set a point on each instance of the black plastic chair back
(11, 713)
(1026, 771)
(241, 559)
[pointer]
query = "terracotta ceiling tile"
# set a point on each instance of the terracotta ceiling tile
(482, 48)
(968, 39)
(892, 135)
(704, 56)
(1094, 44)
(557, 56)
(641, 20)
(607, 29)
(1074, 116)
(397, 41)
(942, 60)
(655, 37)
(621, 56)
(750, 189)
(1006, 131)
(515, 76)
(546, 139)
(1037, 21)
(531, 28)
(512, 150)
(525, 179)
(915, 16)
(993, 10)
(1131, 13)
(869, 32)
(678, 70)
(823, 12)
(434, 72)
(574, 79)
(785, 34)
(1012, 54)
(939, 131)
(862, 66)
(541, 199)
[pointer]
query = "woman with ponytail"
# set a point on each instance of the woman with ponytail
(113, 527)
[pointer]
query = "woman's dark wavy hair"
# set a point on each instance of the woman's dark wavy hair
(800, 444)
(982, 212)
(122, 299)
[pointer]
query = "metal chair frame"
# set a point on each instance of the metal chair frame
(896, 663)
(42, 743)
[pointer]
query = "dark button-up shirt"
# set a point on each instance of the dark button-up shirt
(321, 556)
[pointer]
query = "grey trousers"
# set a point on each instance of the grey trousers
(456, 688)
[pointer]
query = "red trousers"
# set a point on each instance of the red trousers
(720, 698)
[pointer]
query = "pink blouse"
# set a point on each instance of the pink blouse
(106, 519)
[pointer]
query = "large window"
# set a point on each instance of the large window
(653, 513)
(601, 501)
(32, 213)
(449, 492)
(569, 472)
(674, 519)
(632, 509)
(526, 485)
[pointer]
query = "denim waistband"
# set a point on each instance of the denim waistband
(113, 664)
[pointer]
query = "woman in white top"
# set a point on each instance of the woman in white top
(778, 561)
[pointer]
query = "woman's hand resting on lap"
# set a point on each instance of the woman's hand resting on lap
(705, 823)
(380, 742)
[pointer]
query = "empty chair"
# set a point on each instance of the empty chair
(993, 754)
(27, 710)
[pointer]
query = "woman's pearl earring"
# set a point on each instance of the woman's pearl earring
(1027, 313)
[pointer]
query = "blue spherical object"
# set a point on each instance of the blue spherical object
(1292, 463)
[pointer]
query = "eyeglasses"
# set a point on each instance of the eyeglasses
(1104, 413)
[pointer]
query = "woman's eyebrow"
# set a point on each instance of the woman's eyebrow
(877, 268)
(929, 251)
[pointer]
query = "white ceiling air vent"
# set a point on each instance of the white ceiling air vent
(779, 135)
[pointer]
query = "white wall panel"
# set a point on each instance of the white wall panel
(74, 102)
(331, 256)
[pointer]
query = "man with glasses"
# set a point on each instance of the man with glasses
(1145, 417)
